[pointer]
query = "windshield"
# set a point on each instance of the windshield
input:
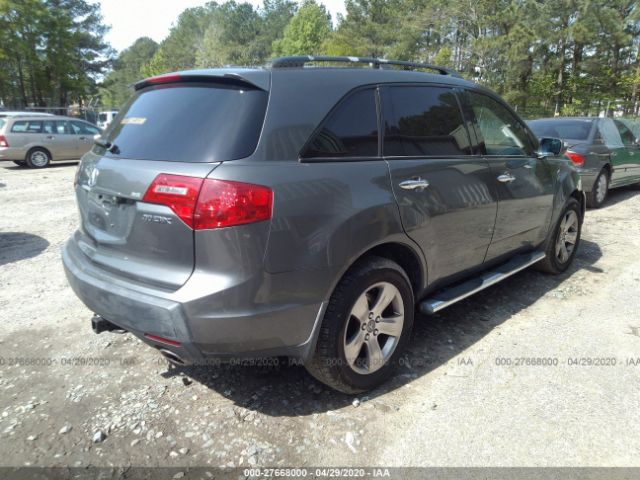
(194, 122)
(574, 129)
(102, 117)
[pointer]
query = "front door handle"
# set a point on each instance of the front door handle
(82, 138)
(50, 137)
(506, 178)
(416, 183)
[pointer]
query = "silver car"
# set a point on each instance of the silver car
(36, 141)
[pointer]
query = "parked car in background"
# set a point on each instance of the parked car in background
(604, 150)
(36, 141)
(105, 118)
(304, 212)
(8, 113)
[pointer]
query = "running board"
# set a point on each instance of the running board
(447, 297)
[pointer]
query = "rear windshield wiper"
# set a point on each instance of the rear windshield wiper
(108, 146)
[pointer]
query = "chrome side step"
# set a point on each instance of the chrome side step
(463, 290)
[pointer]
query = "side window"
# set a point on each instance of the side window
(19, 127)
(62, 128)
(351, 130)
(426, 121)
(27, 126)
(627, 136)
(81, 128)
(503, 133)
(50, 127)
(609, 133)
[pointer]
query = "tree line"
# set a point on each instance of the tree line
(566, 57)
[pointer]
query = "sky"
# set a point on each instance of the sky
(131, 19)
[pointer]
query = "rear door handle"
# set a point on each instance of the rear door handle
(417, 183)
(50, 137)
(83, 138)
(506, 178)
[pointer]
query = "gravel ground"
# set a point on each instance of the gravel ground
(451, 405)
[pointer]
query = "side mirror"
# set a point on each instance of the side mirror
(549, 147)
(636, 142)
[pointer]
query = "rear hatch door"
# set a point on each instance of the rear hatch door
(179, 129)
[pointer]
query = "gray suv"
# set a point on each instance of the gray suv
(305, 211)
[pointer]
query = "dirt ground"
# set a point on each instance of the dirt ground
(536, 371)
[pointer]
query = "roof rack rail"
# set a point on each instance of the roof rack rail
(302, 60)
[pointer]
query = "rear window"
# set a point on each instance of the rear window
(572, 129)
(2, 123)
(195, 122)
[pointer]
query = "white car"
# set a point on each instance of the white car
(105, 119)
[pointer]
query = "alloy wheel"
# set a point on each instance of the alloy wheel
(373, 328)
(567, 236)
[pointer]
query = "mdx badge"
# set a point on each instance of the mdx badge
(147, 217)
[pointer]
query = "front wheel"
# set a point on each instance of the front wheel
(365, 328)
(20, 163)
(562, 246)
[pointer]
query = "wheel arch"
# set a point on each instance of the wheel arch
(406, 256)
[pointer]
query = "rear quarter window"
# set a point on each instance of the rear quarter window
(190, 122)
(349, 131)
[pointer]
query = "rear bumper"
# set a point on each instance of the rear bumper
(588, 177)
(240, 330)
(12, 153)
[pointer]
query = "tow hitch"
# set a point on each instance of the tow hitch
(99, 325)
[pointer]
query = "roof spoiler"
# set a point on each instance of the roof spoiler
(379, 63)
(230, 78)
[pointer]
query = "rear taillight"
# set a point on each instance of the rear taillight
(576, 158)
(206, 204)
(176, 192)
(3, 141)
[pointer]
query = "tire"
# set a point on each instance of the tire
(598, 194)
(38, 158)
(20, 163)
(352, 323)
(567, 230)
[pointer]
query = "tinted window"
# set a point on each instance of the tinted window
(627, 136)
(565, 128)
(27, 126)
(351, 130)
(189, 123)
(502, 132)
(426, 121)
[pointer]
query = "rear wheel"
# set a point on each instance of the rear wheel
(20, 163)
(563, 245)
(598, 194)
(38, 158)
(365, 328)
